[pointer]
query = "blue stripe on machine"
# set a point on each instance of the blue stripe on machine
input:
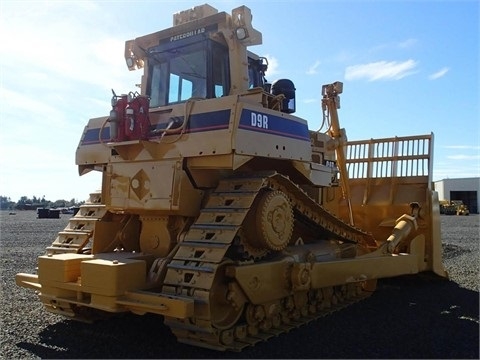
(272, 124)
(215, 120)
(91, 136)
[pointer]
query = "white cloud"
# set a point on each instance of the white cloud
(64, 48)
(407, 43)
(453, 170)
(462, 147)
(463, 157)
(460, 165)
(381, 70)
(402, 45)
(440, 73)
(56, 74)
(14, 107)
(272, 65)
(313, 69)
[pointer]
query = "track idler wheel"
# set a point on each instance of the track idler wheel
(224, 310)
(269, 225)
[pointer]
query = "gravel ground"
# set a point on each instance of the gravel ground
(420, 316)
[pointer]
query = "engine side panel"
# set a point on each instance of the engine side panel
(268, 133)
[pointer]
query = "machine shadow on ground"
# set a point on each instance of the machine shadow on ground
(418, 316)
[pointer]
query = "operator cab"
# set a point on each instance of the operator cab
(198, 58)
(189, 68)
(186, 69)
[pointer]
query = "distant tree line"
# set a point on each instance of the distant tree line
(25, 203)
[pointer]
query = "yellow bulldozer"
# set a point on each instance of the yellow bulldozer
(453, 207)
(460, 207)
(221, 210)
(447, 208)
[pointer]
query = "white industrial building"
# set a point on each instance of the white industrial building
(465, 189)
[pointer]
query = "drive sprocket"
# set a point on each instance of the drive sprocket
(269, 225)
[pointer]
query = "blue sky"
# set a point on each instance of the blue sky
(408, 68)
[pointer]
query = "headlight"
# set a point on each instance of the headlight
(241, 33)
(130, 62)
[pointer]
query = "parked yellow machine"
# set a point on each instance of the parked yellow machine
(221, 210)
(447, 208)
(460, 207)
(453, 207)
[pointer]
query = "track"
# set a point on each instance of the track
(197, 269)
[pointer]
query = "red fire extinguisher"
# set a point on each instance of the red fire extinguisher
(129, 117)
(117, 116)
(137, 123)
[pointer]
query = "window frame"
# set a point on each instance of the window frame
(160, 62)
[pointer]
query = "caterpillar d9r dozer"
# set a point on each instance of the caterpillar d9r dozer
(221, 211)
